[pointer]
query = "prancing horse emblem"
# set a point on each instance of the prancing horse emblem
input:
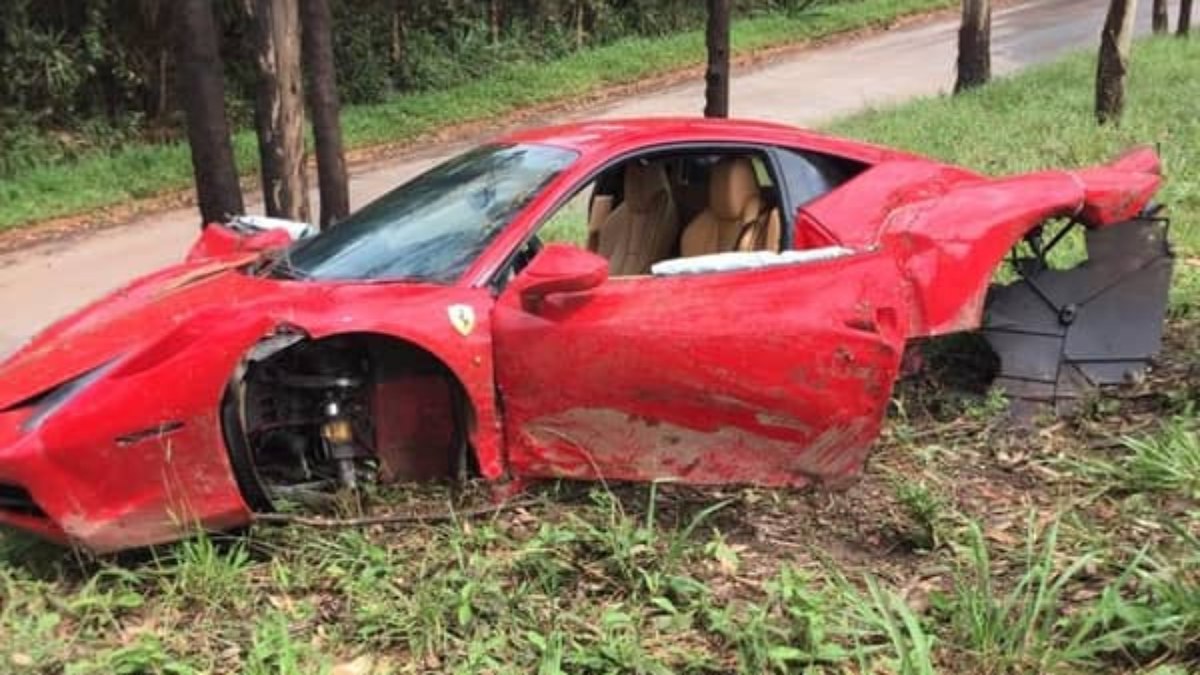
(462, 317)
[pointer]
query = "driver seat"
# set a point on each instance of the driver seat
(643, 229)
(738, 217)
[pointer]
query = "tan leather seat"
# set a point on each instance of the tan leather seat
(737, 217)
(643, 229)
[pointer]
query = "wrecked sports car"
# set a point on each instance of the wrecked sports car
(710, 302)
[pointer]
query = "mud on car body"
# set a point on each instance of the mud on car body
(705, 301)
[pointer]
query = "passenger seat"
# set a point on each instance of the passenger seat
(643, 229)
(738, 218)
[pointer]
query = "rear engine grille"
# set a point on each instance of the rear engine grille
(17, 500)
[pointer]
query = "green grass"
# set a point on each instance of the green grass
(969, 546)
(1165, 461)
(140, 171)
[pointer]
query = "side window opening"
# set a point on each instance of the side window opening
(571, 224)
(663, 206)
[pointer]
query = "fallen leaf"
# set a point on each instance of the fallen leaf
(363, 665)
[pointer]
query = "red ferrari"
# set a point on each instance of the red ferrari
(709, 302)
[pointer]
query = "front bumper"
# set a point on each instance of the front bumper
(103, 495)
(21, 462)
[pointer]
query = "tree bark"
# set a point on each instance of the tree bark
(324, 105)
(1160, 20)
(494, 21)
(716, 78)
(974, 45)
(1115, 43)
(1185, 18)
(202, 94)
(279, 108)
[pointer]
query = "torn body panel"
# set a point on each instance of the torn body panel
(950, 247)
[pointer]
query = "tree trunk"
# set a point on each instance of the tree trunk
(202, 94)
(494, 21)
(324, 106)
(1161, 22)
(279, 108)
(397, 51)
(974, 45)
(1185, 18)
(716, 78)
(578, 25)
(1115, 44)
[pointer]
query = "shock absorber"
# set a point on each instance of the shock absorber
(338, 435)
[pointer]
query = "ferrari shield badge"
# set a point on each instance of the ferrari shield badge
(462, 317)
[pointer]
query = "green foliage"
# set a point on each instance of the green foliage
(495, 80)
(794, 627)
(910, 645)
(925, 507)
(145, 654)
(202, 568)
(1165, 461)
(274, 650)
(1026, 628)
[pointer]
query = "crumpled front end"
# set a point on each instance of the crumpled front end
(110, 435)
(111, 470)
(20, 465)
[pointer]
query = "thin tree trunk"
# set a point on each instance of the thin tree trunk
(974, 45)
(202, 94)
(279, 109)
(397, 51)
(716, 78)
(324, 106)
(494, 20)
(1115, 44)
(1185, 18)
(578, 25)
(1160, 20)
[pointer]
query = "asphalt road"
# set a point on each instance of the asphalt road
(40, 284)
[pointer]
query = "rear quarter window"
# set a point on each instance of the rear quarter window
(809, 175)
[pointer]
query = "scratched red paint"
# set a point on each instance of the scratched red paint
(776, 376)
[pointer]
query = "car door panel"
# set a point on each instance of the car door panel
(774, 376)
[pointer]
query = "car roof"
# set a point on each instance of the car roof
(613, 135)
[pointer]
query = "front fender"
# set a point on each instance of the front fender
(138, 458)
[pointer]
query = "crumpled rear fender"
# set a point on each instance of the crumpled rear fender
(948, 247)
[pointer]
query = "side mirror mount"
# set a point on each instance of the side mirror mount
(559, 268)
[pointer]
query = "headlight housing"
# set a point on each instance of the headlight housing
(53, 400)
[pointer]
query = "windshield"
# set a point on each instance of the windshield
(433, 227)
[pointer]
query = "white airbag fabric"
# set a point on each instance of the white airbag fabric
(744, 260)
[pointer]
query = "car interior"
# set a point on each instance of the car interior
(648, 210)
(660, 207)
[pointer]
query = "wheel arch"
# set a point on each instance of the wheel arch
(283, 336)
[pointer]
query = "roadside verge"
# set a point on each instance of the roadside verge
(51, 201)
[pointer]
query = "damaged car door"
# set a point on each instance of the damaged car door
(775, 375)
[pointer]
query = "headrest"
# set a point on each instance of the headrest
(644, 183)
(732, 187)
